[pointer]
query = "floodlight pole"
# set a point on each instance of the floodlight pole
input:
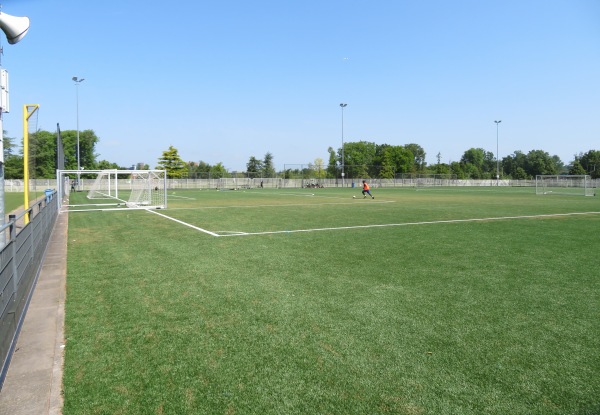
(343, 106)
(497, 159)
(15, 28)
(77, 82)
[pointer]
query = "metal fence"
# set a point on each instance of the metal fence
(241, 181)
(20, 262)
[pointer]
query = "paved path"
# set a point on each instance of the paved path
(34, 379)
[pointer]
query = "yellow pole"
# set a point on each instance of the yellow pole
(26, 115)
(26, 161)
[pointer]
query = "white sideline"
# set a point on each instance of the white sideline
(370, 202)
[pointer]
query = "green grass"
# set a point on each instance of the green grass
(14, 200)
(470, 317)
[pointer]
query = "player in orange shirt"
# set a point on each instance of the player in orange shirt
(366, 190)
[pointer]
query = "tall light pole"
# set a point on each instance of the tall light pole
(343, 106)
(497, 159)
(15, 28)
(77, 82)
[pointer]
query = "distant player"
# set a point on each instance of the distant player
(366, 190)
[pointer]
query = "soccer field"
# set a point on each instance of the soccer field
(308, 301)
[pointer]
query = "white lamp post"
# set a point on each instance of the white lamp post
(497, 160)
(343, 106)
(77, 82)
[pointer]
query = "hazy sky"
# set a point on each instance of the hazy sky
(225, 80)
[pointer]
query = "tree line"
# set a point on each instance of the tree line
(361, 159)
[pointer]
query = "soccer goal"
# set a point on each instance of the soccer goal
(423, 181)
(577, 185)
(235, 183)
(109, 189)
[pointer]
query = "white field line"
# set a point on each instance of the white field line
(318, 194)
(370, 202)
(95, 204)
(181, 197)
(412, 223)
(183, 223)
(240, 233)
(98, 210)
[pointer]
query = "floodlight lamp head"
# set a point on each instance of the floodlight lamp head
(343, 105)
(15, 28)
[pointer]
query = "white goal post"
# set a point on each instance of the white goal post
(143, 189)
(577, 185)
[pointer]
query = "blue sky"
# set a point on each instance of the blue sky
(225, 80)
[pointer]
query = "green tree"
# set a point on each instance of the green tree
(479, 164)
(359, 156)
(203, 170)
(577, 168)
(42, 155)
(331, 166)
(393, 160)
(107, 165)
(254, 166)
(590, 161)
(540, 162)
(267, 166)
(514, 165)
(489, 165)
(13, 167)
(519, 174)
(318, 169)
(172, 163)
(13, 163)
(388, 169)
(442, 168)
(200, 170)
(87, 146)
(218, 171)
(473, 156)
(472, 161)
(419, 156)
(457, 168)
(9, 146)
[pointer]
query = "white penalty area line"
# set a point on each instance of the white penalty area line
(189, 225)
(410, 224)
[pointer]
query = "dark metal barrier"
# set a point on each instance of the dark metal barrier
(20, 262)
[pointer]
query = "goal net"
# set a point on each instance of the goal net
(147, 189)
(110, 189)
(422, 181)
(105, 186)
(577, 185)
(235, 183)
